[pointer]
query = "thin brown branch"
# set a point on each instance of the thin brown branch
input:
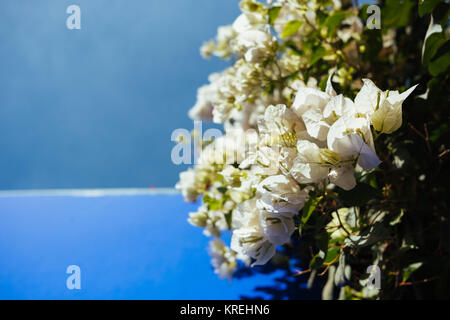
(412, 283)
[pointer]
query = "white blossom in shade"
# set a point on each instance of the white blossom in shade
(387, 118)
(344, 219)
(280, 195)
(252, 243)
(351, 138)
(309, 98)
(308, 166)
(353, 30)
(343, 176)
(277, 229)
(222, 259)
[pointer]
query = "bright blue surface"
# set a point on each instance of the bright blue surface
(128, 247)
(95, 108)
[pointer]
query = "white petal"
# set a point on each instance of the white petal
(308, 98)
(315, 124)
(343, 176)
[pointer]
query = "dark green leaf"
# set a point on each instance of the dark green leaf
(396, 13)
(317, 54)
(359, 195)
(374, 233)
(427, 6)
(409, 270)
(334, 20)
(273, 14)
(440, 64)
(309, 208)
(433, 43)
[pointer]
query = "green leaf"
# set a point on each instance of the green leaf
(318, 260)
(273, 14)
(309, 208)
(409, 270)
(434, 39)
(427, 6)
(229, 219)
(440, 64)
(396, 13)
(374, 233)
(322, 242)
(317, 54)
(398, 218)
(438, 132)
(334, 20)
(290, 28)
(359, 195)
(332, 254)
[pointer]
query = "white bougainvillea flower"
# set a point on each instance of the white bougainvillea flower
(222, 259)
(351, 137)
(281, 126)
(286, 159)
(277, 229)
(188, 185)
(255, 44)
(247, 21)
(315, 124)
(227, 149)
(262, 161)
(341, 223)
(367, 98)
(202, 110)
(308, 166)
(387, 117)
(252, 243)
(338, 106)
(383, 108)
(280, 194)
(308, 98)
(245, 215)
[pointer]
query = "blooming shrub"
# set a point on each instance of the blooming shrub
(317, 158)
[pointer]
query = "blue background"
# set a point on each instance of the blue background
(95, 108)
(127, 247)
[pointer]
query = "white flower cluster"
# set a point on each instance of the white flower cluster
(322, 138)
(279, 145)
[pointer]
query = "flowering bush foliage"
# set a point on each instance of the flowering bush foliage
(316, 157)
